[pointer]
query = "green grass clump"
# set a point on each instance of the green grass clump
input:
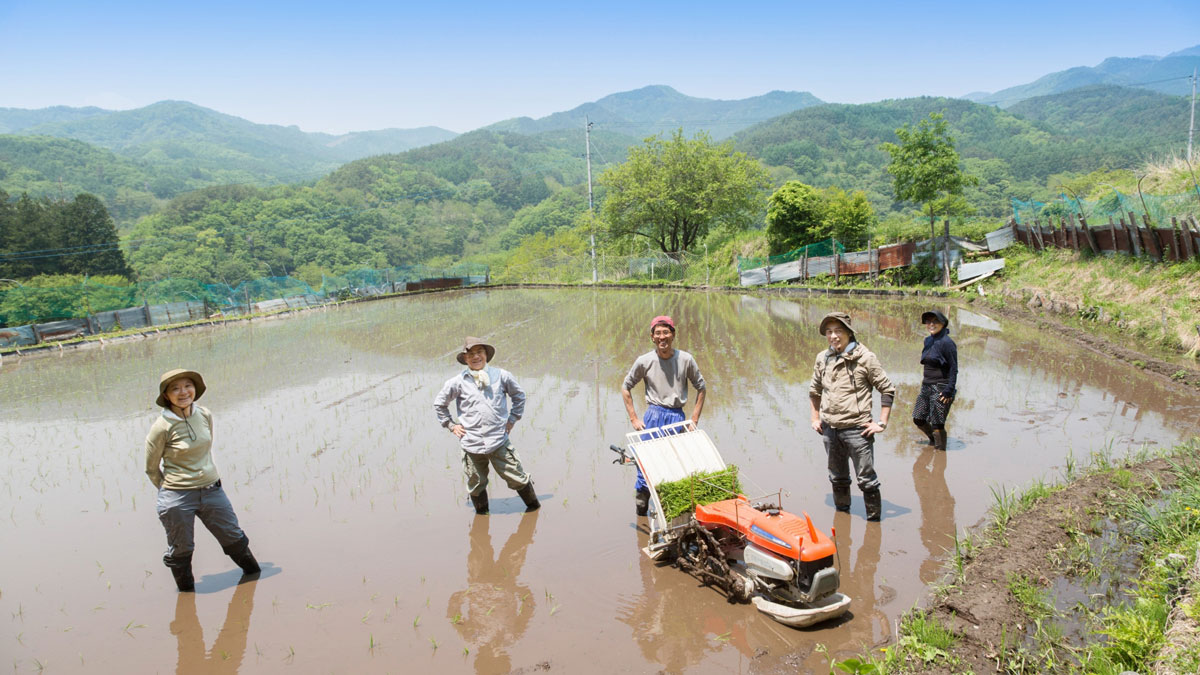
(704, 487)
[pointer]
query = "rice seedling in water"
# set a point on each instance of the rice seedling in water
(417, 621)
(434, 643)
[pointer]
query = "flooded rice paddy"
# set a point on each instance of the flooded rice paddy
(374, 562)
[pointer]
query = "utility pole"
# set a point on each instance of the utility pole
(1192, 125)
(587, 135)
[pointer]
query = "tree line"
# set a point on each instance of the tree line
(43, 237)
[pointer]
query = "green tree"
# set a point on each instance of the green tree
(90, 236)
(672, 191)
(795, 213)
(848, 217)
(926, 169)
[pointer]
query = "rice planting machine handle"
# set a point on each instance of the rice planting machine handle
(624, 457)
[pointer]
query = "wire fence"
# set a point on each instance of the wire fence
(31, 315)
(1158, 208)
(819, 249)
(684, 267)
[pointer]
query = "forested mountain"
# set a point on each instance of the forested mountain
(1014, 152)
(658, 109)
(185, 146)
(60, 168)
(13, 120)
(1168, 74)
(480, 191)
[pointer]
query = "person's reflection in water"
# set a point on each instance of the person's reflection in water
(937, 510)
(664, 617)
(870, 623)
(230, 647)
(492, 613)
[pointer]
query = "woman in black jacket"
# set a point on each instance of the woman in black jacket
(940, 358)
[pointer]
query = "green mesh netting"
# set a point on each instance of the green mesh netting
(26, 304)
(820, 248)
(1116, 204)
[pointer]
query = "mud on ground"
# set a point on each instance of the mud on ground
(980, 610)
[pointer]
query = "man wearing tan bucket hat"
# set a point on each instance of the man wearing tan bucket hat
(844, 376)
(481, 394)
(179, 463)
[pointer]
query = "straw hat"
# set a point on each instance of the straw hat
(172, 375)
(475, 342)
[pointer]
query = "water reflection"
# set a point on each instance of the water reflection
(229, 649)
(495, 608)
(937, 509)
(664, 629)
(868, 623)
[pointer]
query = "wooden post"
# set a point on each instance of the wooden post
(1155, 247)
(1016, 230)
(1074, 233)
(1089, 235)
(1037, 229)
(946, 252)
(1183, 244)
(804, 266)
(1195, 239)
(146, 311)
(1132, 232)
(837, 266)
(37, 334)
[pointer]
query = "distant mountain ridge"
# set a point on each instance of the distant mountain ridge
(658, 109)
(1168, 74)
(122, 130)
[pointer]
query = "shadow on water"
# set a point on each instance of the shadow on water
(215, 583)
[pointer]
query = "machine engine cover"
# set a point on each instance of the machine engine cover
(766, 564)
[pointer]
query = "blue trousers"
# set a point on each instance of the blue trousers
(657, 416)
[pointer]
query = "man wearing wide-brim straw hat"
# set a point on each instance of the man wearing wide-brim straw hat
(481, 394)
(844, 376)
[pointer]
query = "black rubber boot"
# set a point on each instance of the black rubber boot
(874, 504)
(642, 500)
(240, 552)
(938, 438)
(529, 496)
(841, 497)
(181, 569)
(926, 429)
(481, 503)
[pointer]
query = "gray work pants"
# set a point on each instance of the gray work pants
(503, 460)
(178, 510)
(843, 446)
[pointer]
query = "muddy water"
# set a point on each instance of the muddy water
(373, 562)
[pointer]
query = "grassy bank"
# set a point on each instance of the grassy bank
(1155, 305)
(1096, 574)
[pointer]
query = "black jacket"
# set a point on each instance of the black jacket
(940, 358)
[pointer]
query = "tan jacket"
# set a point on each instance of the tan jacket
(844, 384)
(179, 451)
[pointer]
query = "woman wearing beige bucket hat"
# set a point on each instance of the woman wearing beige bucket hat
(179, 463)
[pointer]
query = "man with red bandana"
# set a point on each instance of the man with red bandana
(666, 372)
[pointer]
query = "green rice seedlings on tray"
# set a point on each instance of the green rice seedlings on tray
(705, 487)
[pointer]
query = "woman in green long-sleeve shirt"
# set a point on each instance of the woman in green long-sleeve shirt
(179, 463)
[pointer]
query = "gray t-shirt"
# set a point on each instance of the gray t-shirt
(666, 379)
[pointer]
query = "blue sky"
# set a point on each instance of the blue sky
(353, 65)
